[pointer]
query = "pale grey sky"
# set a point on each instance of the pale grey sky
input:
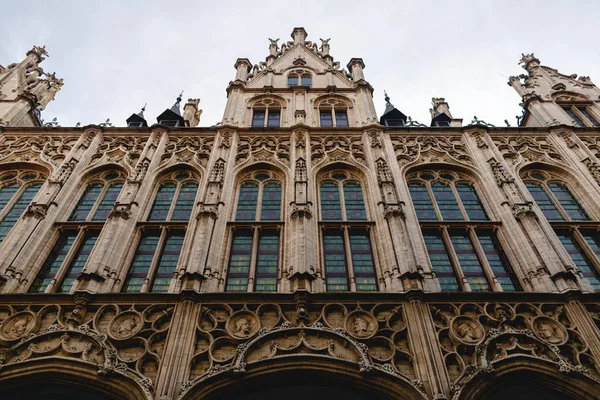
(114, 56)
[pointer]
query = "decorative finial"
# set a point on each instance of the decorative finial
(387, 98)
(144, 108)
(179, 97)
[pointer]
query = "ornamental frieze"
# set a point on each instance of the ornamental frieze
(51, 150)
(337, 148)
(473, 337)
(127, 340)
(264, 148)
(527, 149)
(119, 150)
(232, 337)
(430, 149)
(188, 149)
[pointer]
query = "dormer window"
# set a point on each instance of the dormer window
(442, 123)
(169, 122)
(135, 124)
(394, 122)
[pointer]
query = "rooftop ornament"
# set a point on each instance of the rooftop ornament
(410, 123)
(480, 122)
(106, 124)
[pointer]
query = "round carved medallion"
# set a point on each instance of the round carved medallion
(242, 324)
(17, 326)
(125, 325)
(361, 325)
(549, 330)
(467, 330)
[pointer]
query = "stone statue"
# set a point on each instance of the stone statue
(361, 327)
(273, 46)
(127, 326)
(466, 332)
(548, 332)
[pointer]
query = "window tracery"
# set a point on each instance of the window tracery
(266, 112)
(155, 260)
(346, 235)
(460, 239)
(255, 245)
(333, 113)
(570, 221)
(78, 235)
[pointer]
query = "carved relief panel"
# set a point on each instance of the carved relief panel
(527, 149)
(188, 149)
(474, 336)
(50, 150)
(430, 149)
(264, 148)
(124, 150)
(337, 148)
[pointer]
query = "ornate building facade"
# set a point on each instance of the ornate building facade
(302, 247)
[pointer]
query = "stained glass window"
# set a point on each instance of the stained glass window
(142, 261)
(271, 202)
(498, 262)
(267, 261)
(162, 202)
(6, 194)
(422, 202)
(579, 258)
(335, 261)
(185, 202)
(471, 202)
(354, 202)
(17, 209)
(86, 202)
(54, 261)
(78, 262)
(469, 263)
(544, 202)
(362, 261)
(168, 261)
(446, 202)
(246, 208)
(331, 207)
(239, 261)
(108, 201)
(440, 261)
(568, 202)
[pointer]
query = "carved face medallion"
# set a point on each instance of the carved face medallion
(125, 325)
(549, 330)
(361, 325)
(467, 330)
(17, 326)
(242, 324)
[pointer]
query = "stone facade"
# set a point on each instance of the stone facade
(84, 302)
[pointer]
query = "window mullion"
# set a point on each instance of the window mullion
(259, 197)
(266, 119)
(334, 124)
(96, 205)
(461, 206)
(589, 254)
(349, 263)
(253, 257)
(62, 271)
(433, 201)
(462, 280)
(174, 202)
(487, 269)
(581, 117)
(340, 186)
(555, 201)
(155, 260)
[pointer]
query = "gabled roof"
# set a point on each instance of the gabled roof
(440, 117)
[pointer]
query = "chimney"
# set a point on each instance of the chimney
(191, 113)
(299, 35)
(439, 107)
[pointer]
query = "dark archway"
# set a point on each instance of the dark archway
(525, 391)
(52, 391)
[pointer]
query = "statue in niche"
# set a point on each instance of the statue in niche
(243, 327)
(126, 327)
(20, 327)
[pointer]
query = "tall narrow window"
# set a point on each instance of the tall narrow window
(347, 252)
(154, 262)
(558, 204)
(580, 115)
(464, 252)
(258, 118)
(266, 113)
(274, 118)
(79, 234)
(307, 80)
(292, 80)
(255, 244)
(17, 190)
(326, 118)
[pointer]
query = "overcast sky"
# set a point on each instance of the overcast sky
(114, 56)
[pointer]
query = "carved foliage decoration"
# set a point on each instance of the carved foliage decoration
(430, 149)
(124, 150)
(230, 337)
(51, 150)
(116, 340)
(474, 336)
(593, 143)
(527, 149)
(264, 148)
(337, 148)
(188, 149)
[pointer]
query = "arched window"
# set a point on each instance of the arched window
(292, 80)
(333, 113)
(17, 189)
(75, 242)
(461, 241)
(347, 251)
(558, 204)
(255, 245)
(266, 113)
(161, 239)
